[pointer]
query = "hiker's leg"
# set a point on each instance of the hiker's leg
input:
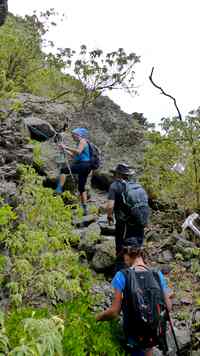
(119, 236)
(61, 179)
(82, 180)
(83, 197)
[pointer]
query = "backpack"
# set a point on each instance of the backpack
(135, 201)
(144, 309)
(95, 156)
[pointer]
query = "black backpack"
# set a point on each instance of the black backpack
(135, 201)
(144, 309)
(95, 156)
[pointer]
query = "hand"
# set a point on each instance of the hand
(98, 317)
(61, 146)
(110, 220)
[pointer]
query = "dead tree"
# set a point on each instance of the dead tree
(164, 93)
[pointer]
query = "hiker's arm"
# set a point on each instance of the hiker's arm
(77, 150)
(168, 301)
(109, 209)
(114, 310)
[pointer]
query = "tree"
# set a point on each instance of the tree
(75, 78)
(98, 71)
(179, 143)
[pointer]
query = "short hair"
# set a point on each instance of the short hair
(132, 251)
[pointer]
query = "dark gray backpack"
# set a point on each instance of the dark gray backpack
(135, 200)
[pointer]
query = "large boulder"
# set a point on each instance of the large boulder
(104, 257)
(89, 238)
(39, 129)
(14, 147)
(182, 245)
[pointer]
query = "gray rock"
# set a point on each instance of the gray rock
(90, 237)
(182, 245)
(39, 129)
(8, 191)
(104, 257)
(183, 337)
(157, 352)
(93, 230)
(167, 256)
(152, 235)
(106, 229)
(85, 221)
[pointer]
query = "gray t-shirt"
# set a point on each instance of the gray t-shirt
(115, 193)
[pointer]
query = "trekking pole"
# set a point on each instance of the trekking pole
(173, 333)
(69, 168)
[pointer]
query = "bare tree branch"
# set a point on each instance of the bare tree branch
(164, 93)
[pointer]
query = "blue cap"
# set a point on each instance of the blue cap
(80, 131)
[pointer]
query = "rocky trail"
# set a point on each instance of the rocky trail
(166, 249)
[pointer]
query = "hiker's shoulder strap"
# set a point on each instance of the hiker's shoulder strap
(156, 274)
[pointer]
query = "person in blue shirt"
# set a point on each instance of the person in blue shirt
(133, 258)
(81, 164)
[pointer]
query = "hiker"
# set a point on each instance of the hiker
(143, 296)
(130, 220)
(80, 165)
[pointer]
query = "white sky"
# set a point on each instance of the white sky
(165, 33)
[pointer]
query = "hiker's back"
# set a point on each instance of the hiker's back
(135, 201)
(143, 307)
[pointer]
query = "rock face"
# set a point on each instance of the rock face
(118, 135)
(14, 147)
(3, 11)
(40, 130)
(104, 257)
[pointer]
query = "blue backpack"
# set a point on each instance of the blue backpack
(135, 200)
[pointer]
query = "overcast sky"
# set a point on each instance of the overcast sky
(165, 33)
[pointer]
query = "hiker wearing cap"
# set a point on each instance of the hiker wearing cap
(80, 164)
(129, 203)
(144, 298)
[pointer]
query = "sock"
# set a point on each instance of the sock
(59, 188)
(85, 209)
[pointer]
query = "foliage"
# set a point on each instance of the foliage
(37, 154)
(41, 337)
(94, 338)
(74, 78)
(43, 262)
(25, 67)
(98, 72)
(179, 143)
(41, 333)
(43, 271)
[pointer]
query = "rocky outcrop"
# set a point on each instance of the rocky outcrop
(14, 148)
(3, 11)
(119, 136)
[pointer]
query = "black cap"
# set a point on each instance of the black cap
(124, 169)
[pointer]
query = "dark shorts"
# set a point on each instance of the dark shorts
(82, 169)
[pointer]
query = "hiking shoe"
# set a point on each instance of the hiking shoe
(59, 189)
(85, 209)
